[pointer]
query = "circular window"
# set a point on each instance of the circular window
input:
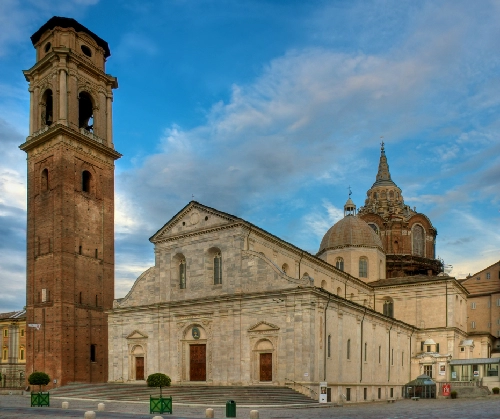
(47, 46)
(86, 50)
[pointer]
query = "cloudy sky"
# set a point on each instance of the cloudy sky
(269, 110)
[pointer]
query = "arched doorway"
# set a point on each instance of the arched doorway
(195, 354)
(138, 358)
(264, 351)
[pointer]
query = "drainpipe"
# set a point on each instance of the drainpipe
(446, 313)
(409, 358)
(361, 351)
(326, 341)
(389, 364)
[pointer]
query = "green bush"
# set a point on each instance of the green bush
(495, 390)
(158, 380)
(39, 379)
(453, 394)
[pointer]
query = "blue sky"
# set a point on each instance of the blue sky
(269, 110)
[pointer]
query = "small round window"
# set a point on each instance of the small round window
(47, 46)
(86, 50)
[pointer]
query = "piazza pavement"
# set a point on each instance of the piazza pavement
(17, 407)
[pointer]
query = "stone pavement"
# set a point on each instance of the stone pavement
(16, 407)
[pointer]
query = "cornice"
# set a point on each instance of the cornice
(58, 129)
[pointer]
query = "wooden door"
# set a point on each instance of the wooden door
(139, 368)
(266, 367)
(198, 362)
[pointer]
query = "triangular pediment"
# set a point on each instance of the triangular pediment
(263, 327)
(137, 335)
(192, 218)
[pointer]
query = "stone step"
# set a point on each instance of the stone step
(189, 394)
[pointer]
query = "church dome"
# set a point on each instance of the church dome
(350, 231)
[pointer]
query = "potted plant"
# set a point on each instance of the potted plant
(41, 398)
(495, 390)
(159, 404)
(453, 394)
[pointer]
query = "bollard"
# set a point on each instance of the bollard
(209, 413)
(254, 414)
(100, 407)
(65, 405)
(89, 415)
(158, 417)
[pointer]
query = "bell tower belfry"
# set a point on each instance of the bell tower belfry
(70, 219)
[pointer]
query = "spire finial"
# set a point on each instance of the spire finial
(350, 192)
(382, 143)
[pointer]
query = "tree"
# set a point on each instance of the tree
(158, 380)
(39, 379)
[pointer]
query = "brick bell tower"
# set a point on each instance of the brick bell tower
(70, 226)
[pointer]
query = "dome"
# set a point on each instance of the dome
(348, 232)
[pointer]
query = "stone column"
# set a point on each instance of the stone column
(109, 120)
(32, 109)
(63, 97)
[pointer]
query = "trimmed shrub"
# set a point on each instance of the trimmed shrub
(453, 394)
(158, 380)
(495, 390)
(39, 379)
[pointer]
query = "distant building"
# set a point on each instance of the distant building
(13, 359)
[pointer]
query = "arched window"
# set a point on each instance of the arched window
(217, 269)
(363, 267)
(47, 108)
(339, 291)
(284, 268)
(182, 274)
(418, 234)
(323, 284)
(44, 180)
(21, 353)
(389, 307)
(86, 181)
(5, 353)
(329, 346)
(85, 112)
(339, 264)
(348, 348)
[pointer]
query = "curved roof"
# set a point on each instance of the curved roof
(66, 22)
(350, 231)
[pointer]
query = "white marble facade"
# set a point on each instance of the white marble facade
(276, 304)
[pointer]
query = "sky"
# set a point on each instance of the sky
(270, 110)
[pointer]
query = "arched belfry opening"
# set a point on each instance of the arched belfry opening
(85, 112)
(47, 108)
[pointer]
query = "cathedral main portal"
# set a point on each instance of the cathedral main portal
(197, 362)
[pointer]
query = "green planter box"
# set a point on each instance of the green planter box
(160, 404)
(40, 399)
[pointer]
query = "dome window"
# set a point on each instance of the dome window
(339, 264)
(86, 50)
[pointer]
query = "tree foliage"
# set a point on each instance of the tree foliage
(158, 380)
(39, 379)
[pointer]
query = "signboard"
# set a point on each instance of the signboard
(442, 368)
(454, 375)
(476, 373)
(323, 392)
(446, 389)
(35, 326)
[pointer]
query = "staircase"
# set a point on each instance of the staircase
(192, 394)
